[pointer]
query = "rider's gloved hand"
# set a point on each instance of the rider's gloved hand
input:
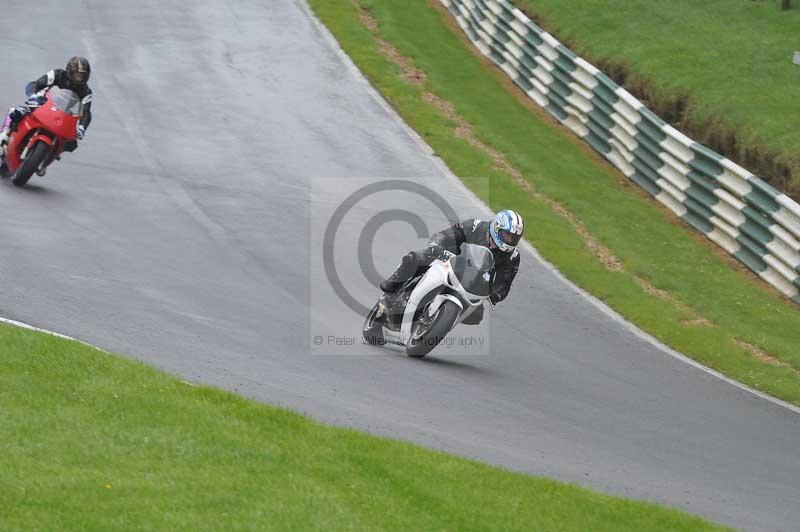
(36, 100)
(81, 132)
(435, 250)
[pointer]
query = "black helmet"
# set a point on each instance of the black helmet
(78, 70)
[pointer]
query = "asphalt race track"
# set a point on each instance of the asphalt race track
(187, 232)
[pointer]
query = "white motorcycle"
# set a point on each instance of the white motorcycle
(427, 307)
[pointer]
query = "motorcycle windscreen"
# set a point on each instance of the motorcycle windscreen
(474, 267)
(66, 101)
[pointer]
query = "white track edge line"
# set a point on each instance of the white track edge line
(23, 325)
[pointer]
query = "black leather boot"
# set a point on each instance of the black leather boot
(404, 272)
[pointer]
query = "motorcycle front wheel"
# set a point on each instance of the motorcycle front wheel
(35, 158)
(428, 332)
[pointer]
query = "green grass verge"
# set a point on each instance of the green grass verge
(732, 57)
(653, 244)
(91, 441)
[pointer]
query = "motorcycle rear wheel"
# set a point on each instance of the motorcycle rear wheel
(37, 156)
(426, 336)
(372, 329)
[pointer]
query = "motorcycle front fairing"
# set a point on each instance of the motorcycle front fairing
(474, 270)
(465, 279)
(61, 114)
(432, 283)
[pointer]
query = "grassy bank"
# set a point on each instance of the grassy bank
(596, 227)
(91, 441)
(719, 69)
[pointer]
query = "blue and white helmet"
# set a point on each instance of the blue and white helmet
(506, 230)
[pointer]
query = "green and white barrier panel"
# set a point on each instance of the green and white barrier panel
(741, 213)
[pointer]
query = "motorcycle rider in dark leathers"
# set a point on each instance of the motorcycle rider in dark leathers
(501, 236)
(74, 77)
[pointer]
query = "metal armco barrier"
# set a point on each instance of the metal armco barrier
(741, 213)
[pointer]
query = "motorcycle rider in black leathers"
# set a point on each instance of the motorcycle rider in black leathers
(501, 236)
(75, 78)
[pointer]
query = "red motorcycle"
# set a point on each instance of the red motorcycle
(41, 136)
